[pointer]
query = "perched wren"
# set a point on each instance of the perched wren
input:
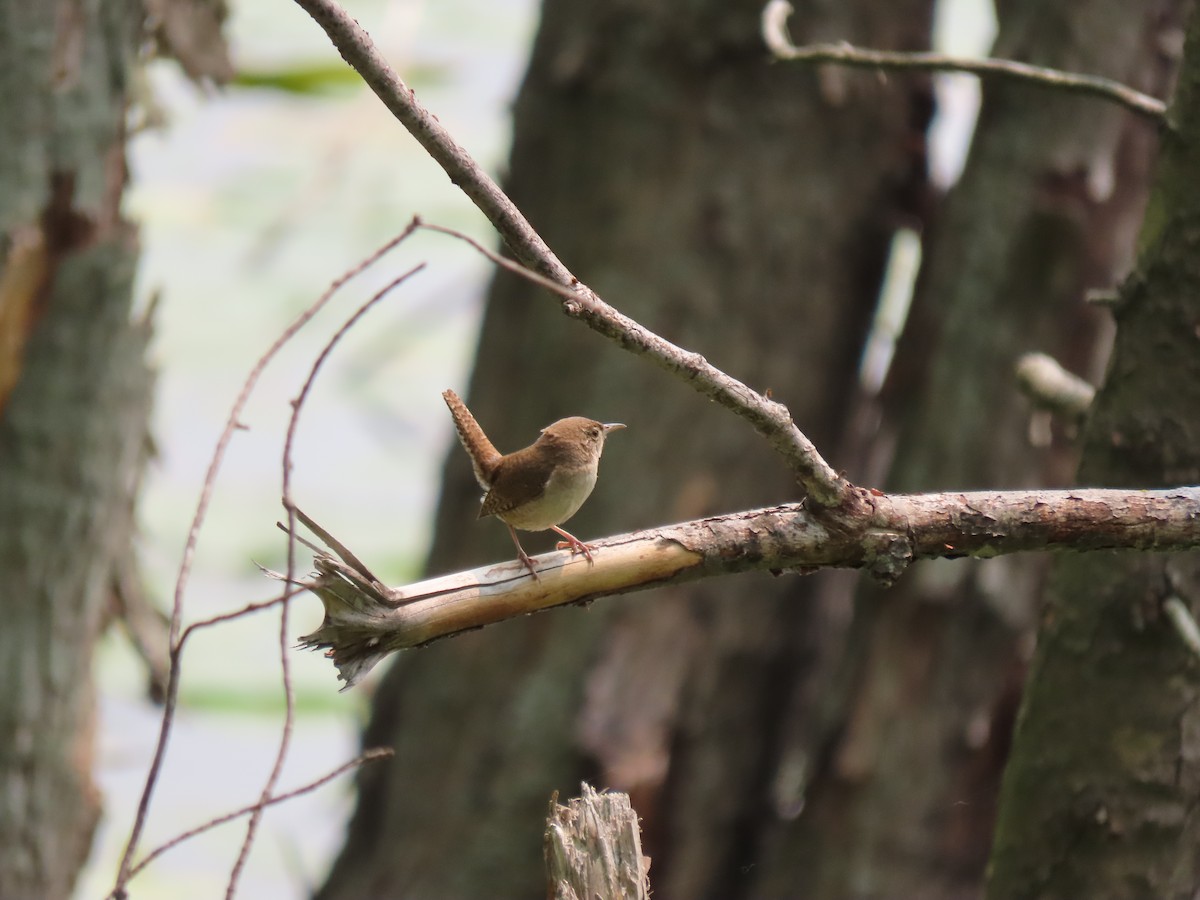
(540, 487)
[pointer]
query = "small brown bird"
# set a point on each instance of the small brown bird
(540, 487)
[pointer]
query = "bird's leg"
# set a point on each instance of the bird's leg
(522, 555)
(574, 543)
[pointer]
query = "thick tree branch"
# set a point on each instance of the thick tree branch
(774, 26)
(365, 620)
(771, 419)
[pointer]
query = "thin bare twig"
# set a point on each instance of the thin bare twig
(172, 691)
(232, 424)
(774, 28)
(284, 627)
(769, 418)
(246, 610)
(360, 760)
(330, 541)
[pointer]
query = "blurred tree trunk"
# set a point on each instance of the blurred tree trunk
(901, 802)
(1101, 794)
(74, 400)
(745, 211)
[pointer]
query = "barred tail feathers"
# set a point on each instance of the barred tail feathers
(484, 456)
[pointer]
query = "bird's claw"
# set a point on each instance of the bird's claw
(576, 546)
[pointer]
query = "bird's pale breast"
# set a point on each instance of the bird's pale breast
(564, 494)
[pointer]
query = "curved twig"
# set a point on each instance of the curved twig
(360, 760)
(774, 28)
(232, 424)
(175, 654)
(285, 639)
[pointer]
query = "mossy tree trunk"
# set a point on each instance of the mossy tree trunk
(1101, 794)
(74, 402)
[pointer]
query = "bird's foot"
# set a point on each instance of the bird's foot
(528, 563)
(575, 545)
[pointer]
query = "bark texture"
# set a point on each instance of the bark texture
(74, 400)
(366, 621)
(743, 210)
(1100, 797)
(897, 794)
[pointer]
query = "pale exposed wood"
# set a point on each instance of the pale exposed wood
(593, 848)
(366, 620)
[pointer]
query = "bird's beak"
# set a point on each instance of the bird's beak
(612, 426)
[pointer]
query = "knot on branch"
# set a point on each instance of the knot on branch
(886, 556)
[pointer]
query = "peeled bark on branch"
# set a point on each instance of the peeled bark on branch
(366, 620)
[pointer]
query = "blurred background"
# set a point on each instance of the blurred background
(251, 200)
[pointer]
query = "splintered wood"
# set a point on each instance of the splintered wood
(593, 848)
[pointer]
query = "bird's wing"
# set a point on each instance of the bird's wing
(513, 484)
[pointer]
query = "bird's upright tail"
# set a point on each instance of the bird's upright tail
(484, 456)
